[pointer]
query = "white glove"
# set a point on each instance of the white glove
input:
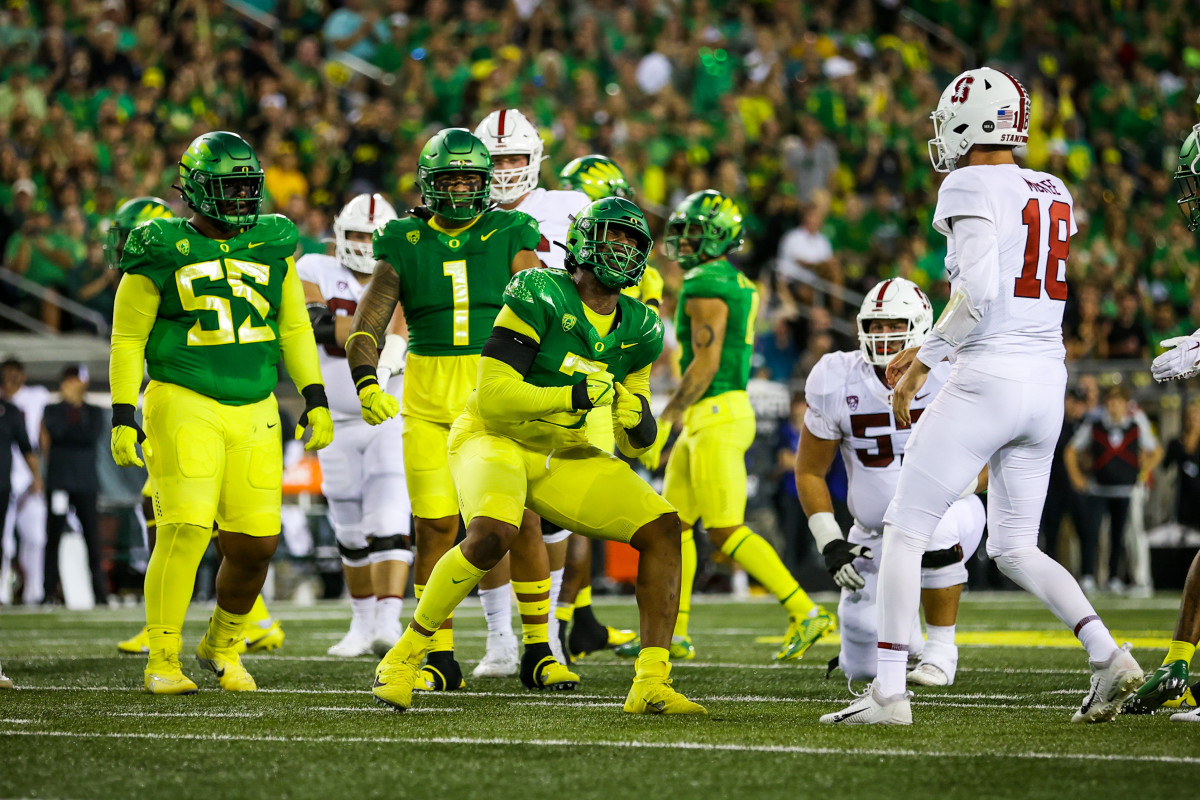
(1179, 363)
(391, 358)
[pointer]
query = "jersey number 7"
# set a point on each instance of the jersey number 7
(1049, 261)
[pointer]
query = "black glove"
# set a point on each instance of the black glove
(839, 557)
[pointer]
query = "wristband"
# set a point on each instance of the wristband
(363, 376)
(314, 396)
(824, 529)
(123, 414)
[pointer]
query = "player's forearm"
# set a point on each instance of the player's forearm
(134, 312)
(296, 340)
(813, 492)
(696, 380)
(371, 322)
(978, 285)
(504, 395)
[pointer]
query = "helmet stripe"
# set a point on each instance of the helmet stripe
(500, 131)
(882, 291)
(371, 211)
(1024, 101)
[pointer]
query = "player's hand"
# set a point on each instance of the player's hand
(627, 410)
(599, 391)
(377, 405)
(839, 560)
(653, 456)
(899, 365)
(911, 383)
(391, 357)
(316, 415)
(1179, 363)
(126, 436)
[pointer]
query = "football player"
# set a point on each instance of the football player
(1167, 684)
(447, 266)
(261, 632)
(26, 519)
(597, 177)
(848, 410)
(1008, 232)
(564, 343)
(210, 304)
(706, 472)
(362, 471)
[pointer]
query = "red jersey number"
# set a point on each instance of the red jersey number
(884, 453)
(1058, 247)
(335, 305)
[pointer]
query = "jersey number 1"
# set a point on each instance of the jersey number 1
(1028, 285)
(456, 271)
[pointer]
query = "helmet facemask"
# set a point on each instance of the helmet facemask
(510, 185)
(616, 264)
(896, 300)
(232, 200)
(881, 347)
(693, 237)
(1187, 178)
(457, 204)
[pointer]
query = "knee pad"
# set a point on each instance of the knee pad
(552, 534)
(390, 548)
(941, 569)
(355, 556)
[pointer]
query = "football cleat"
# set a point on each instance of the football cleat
(6, 682)
(501, 659)
(139, 644)
(1187, 716)
(1184, 702)
(927, 674)
(1112, 683)
(397, 675)
(164, 675)
(441, 673)
(1166, 684)
(540, 670)
(804, 633)
(564, 646)
(631, 649)
(386, 638)
(255, 639)
(619, 636)
(652, 694)
(226, 665)
(587, 636)
(874, 709)
(353, 644)
(682, 649)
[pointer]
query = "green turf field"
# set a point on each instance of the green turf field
(77, 726)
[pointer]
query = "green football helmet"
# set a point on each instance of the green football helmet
(596, 176)
(709, 222)
(131, 214)
(220, 178)
(455, 152)
(1187, 178)
(590, 243)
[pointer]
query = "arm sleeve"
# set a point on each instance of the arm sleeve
(504, 395)
(978, 253)
(134, 312)
(652, 287)
(962, 194)
(637, 383)
(296, 339)
(818, 394)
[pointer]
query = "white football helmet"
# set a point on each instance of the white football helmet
(366, 213)
(980, 106)
(895, 298)
(505, 133)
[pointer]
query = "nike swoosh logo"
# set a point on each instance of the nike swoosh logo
(847, 715)
(272, 425)
(253, 245)
(487, 235)
(658, 707)
(920, 397)
(459, 581)
(627, 346)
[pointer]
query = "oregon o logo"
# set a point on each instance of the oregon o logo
(599, 347)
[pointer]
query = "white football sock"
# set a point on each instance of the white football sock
(387, 613)
(1048, 581)
(899, 596)
(497, 609)
(362, 620)
(556, 578)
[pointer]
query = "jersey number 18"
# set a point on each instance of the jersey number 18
(1050, 261)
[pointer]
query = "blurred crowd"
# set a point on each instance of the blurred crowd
(813, 115)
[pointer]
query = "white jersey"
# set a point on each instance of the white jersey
(553, 211)
(1034, 218)
(32, 400)
(847, 401)
(340, 287)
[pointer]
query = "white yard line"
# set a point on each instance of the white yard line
(634, 745)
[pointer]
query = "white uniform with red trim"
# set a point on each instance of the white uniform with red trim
(553, 210)
(26, 511)
(362, 470)
(849, 403)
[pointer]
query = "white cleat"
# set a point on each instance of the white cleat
(873, 709)
(352, 644)
(927, 674)
(386, 639)
(1187, 716)
(1112, 683)
(501, 660)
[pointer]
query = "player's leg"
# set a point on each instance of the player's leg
(185, 461)
(588, 634)
(495, 597)
(354, 548)
(556, 556)
(541, 667)
(679, 492)
(387, 517)
(596, 494)
(435, 525)
(1168, 684)
(248, 515)
(857, 624)
(30, 528)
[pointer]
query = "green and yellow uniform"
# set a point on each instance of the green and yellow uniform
(211, 319)
(451, 282)
(706, 474)
(504, 461)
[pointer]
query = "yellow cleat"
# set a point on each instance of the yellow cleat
(227, 666)
(682, 648)
(138, 645)
(255, 639)
(618, 637)
(804, 633)
(1184, 702)
(396, 676)
(652, 694)
(164, 675)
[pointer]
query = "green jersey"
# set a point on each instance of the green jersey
(217, 331)
(450, 285)
(571, 348)
(721, 280)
